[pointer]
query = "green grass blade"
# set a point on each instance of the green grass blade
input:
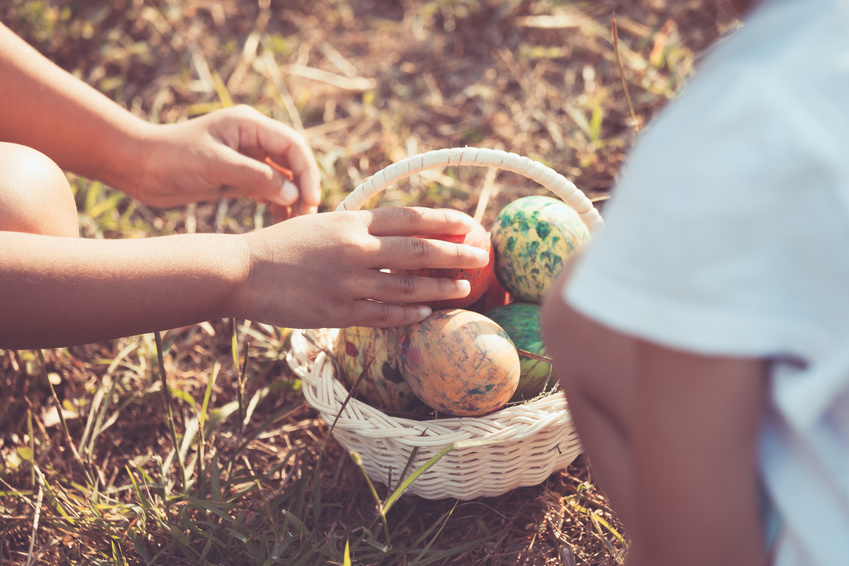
(204, 410)
(382, 510)
(296, 522)
(307, 558)
(413, 453)
(31, 447)
(402, 487)
(167, 395)
(240, 391)
(215, 479)
(107, 204)
(441, 525)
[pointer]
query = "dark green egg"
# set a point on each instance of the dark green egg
(521, 322)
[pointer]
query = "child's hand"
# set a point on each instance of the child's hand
(323, 270)
(222, 154)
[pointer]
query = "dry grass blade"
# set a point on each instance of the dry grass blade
(36, 516)
(59, 410)
(537, 357)
(615, 35)
(273, 73)
(486, 192)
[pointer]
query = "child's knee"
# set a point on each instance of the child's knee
(35, 195)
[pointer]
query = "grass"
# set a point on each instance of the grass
(195, 446)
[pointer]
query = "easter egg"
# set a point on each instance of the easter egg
(532, 237)
(459, 363)
(373, 352)
(495, 296)
(521, 322)
(478, 278)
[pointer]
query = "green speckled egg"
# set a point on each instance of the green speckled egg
(521, 322)
(459, 363)
(376, 350)
(532, 237)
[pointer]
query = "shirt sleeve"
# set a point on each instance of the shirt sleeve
(721, 236)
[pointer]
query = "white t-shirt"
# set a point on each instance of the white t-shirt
(729, 235)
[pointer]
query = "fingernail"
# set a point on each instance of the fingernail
(287, 194)
(466, 220)
(425, 311)
(482, 255)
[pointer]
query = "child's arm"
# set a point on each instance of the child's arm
(672, 436)
(317, 270)
(220, 154)
(695, 453)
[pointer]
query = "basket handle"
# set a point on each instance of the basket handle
(480, 157)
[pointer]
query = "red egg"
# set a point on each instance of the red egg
(479, 278)
(494, 297)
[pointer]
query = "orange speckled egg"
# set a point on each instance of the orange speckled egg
(459, 363)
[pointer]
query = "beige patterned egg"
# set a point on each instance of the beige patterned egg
(459, 363)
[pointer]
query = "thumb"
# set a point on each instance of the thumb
(254, 178)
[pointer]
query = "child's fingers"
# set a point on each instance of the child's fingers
(418, 221)
(252, 134)
(387, 315)
(399, 289)
(242, 175)
(302, 162)
(288, 148)
(403, 252)
(298, 168)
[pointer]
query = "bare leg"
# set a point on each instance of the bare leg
(35, 195)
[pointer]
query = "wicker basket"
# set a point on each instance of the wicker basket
(518, 446)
